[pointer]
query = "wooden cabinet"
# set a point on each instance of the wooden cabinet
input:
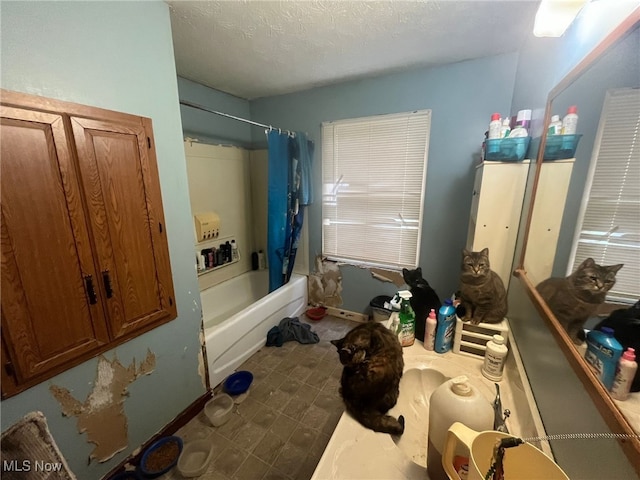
(546, 218)
(496, 206)
(85, 263)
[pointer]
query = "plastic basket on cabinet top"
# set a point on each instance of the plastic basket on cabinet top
(506, 149)
(560, 147)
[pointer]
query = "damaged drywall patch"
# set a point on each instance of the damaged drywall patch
(102, 413)
(387, 276)
(325, 284)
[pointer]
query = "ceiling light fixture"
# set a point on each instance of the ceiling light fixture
(555, 16)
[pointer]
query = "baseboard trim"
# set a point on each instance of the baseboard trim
(347, 314)
(172, 427)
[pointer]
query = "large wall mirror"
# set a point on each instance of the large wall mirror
(558, 205)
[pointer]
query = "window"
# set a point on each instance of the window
(610, 214)
(373, 178)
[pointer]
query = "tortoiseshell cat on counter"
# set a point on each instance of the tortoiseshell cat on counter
(483, 297)
(575, 298)
(370, 383)
(423, 299)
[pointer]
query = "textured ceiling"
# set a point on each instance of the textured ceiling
(257, 48)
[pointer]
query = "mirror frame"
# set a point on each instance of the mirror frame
(598, 393)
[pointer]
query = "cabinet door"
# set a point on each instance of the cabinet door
(121, 186)
(48, 314)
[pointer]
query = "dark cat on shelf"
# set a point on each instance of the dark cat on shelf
(370, 383)
(575, 298)
(483, 298)
(423, 300)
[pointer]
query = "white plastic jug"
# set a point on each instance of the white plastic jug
(523, 462)
(456, 400)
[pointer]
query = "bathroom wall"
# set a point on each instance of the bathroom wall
(462, 97)
(119, 56)
(208, 127)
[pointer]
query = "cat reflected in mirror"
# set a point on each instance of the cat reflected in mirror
(372, 367)
(483, 298)
(575, 298)
(423, 298)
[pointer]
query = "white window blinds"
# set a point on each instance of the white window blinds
(373, 178)
(610, 227)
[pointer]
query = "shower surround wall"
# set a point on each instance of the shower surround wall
(219, 181)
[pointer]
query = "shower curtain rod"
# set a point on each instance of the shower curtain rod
(240, 119)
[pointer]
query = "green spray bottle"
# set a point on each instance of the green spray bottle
(407, 325)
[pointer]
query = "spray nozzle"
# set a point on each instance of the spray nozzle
(509, 442)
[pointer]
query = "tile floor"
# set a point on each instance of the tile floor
(282, 427)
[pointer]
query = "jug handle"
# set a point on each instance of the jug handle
(457, 432)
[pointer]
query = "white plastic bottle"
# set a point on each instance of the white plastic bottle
(523, 118)
(430, 331)
(234, 251)
(262, 262)
(494, 358)
(555, 126)
(625, 374)
(506, 127)
(456, 400)
(495, 126)
(570, 121)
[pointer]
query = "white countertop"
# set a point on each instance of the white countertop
(355, 452)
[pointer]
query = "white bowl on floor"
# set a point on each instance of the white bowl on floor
(195, 458)
(218, 410)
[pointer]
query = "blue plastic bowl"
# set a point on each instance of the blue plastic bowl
(146, 472)
(238, 382)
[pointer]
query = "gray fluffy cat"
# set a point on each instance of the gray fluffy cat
(482, 293)
(575, 298)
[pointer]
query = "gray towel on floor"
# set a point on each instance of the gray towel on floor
(293, 329)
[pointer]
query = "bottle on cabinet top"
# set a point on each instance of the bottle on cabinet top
(570, 121)
(495, 126)
(555, 127)
(506, 128)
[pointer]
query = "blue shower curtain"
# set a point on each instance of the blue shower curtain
(290, 162)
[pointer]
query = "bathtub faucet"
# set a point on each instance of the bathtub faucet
(499, 421)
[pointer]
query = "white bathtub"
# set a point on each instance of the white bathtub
(239, 312)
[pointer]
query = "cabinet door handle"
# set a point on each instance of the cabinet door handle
(107, 283)
(88, 280)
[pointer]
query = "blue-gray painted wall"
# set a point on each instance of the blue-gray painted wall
(208, 127)
(462, 97)
(119, 56)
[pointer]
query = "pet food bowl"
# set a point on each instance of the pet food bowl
(195, 458)
(218, 409)
(317, 313)
(238, 382)
(161, 456)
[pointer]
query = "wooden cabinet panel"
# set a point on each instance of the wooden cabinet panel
(45, 247)
(85, 261)
(114, 162)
